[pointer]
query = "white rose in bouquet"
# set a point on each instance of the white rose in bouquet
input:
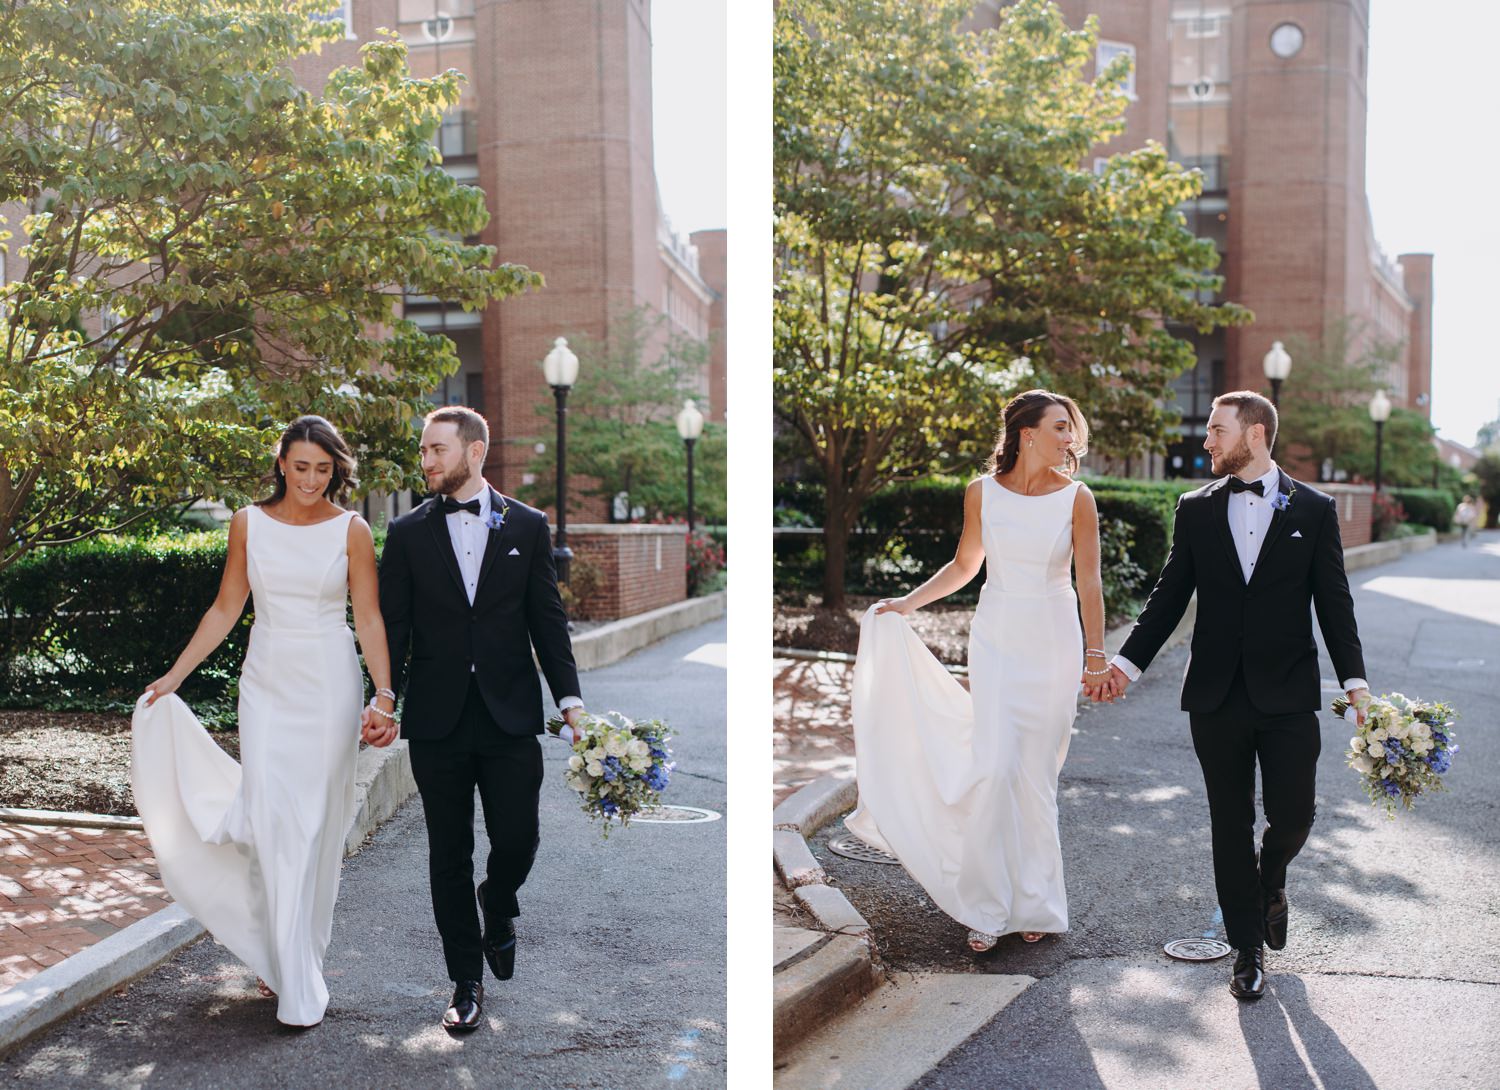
(1379, 734)
(1420, 730)
(1363, 764)
(638, 748)
(1398, 729)
(595, 769)
(614, 746)
(1357, 744)
(575, 762)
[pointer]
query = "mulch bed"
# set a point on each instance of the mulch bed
(942, 626)
(74, 761)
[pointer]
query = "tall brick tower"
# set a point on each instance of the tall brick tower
(1298, 234)
(565, 156)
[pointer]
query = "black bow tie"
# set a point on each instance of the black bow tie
(1237, 485)
(451, 505)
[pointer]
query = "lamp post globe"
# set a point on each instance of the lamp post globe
(560, 368)
(1277, 366)
(1380, 412)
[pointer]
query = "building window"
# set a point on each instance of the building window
(1108, 51)
(341, 13)
(1204, 26)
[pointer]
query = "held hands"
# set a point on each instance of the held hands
(1108, 688)
(376, 729)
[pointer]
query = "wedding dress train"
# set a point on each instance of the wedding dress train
(962, 786)
(252, 850)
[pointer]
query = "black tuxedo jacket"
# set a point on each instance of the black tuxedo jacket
(516, 606)
(1265, 625)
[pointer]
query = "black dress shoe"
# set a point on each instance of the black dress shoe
(1249, 979)
(463, 1013)
(499, 940)
(1276, 914)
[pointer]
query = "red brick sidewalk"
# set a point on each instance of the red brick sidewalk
(62, 889)
(811, 735)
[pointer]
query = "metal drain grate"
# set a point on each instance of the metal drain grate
(852, 847)
(675, 815)
(1196, 949)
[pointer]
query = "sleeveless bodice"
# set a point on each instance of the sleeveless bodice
(299, 575)
(1028, 540)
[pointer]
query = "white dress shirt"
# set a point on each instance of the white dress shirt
(1249, 521)
(470, 533)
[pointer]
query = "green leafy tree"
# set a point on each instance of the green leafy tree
(1487, 472)
(207, 250)
(1324, 410)
(622, 432)
(941, 242)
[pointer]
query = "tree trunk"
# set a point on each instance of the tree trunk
(837, 523)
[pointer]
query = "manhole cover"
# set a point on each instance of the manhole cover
(1196, 949)
(674, 815)
(852, 847)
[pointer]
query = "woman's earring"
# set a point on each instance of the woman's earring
(1030, 442)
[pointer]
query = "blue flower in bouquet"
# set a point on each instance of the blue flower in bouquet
(610, 809)
(1439, 761)
(1392, 788)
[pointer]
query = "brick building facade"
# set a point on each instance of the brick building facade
(555, 125)
(1268, 100)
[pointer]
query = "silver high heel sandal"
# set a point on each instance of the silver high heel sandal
(982, 942)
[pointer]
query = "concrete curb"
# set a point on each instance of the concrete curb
(1383, 552)
(822, 980)
(612, 642)
(13, 815)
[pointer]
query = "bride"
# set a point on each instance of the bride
(253, 850)
(962, 786)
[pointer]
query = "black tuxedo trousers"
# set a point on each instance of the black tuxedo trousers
(507, 771)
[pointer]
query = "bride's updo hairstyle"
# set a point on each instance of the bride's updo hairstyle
(1026, 411)
(314, 429)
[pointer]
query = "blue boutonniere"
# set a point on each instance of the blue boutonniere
(496, 521)
(1283, 500)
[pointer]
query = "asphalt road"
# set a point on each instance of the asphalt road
(1391, 976)
(620, 978)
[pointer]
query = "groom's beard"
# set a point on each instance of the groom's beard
(454, 480)
(1234, 460)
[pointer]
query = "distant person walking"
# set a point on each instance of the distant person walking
(1466, 516)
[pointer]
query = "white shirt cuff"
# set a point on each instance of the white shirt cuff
(1128, 668)
(569, 702)
(1356, 683)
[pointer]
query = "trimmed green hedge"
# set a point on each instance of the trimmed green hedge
(1427, 506)
(907, 531)
(89, 625)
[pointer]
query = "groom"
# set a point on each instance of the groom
(1262, 551)
(468, 588)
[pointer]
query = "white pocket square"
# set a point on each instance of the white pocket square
(514, 552)
(1296, 533)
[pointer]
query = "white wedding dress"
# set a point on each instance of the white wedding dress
(962, 786)
(252, 850)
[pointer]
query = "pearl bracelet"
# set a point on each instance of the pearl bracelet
(381, 711)
(1097, 673)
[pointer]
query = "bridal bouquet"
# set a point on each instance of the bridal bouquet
(1403, 749)
(619, 767)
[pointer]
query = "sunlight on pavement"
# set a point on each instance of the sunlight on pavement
(1476, 599)
(710, 654)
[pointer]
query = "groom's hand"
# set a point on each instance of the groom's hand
(570, 716)
(1119, 681)
(1359, 699)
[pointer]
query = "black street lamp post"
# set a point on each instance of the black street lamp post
(690, 427)
(1380, 412)
(561, 370)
